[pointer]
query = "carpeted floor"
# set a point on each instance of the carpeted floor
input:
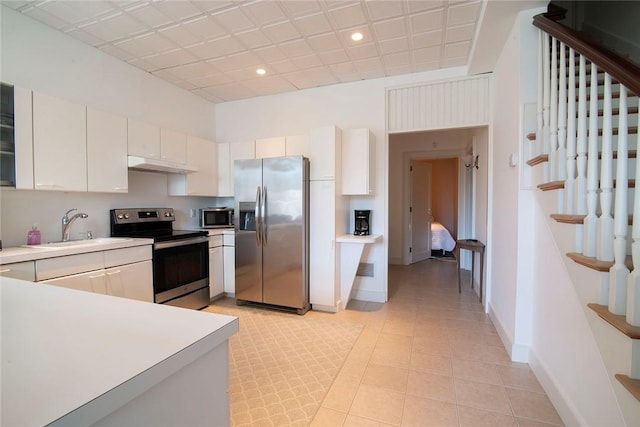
(282, 365)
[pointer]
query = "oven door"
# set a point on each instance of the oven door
(180, 267)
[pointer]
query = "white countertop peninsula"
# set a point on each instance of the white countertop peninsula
(78, 358)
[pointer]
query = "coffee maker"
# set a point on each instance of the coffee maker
(361, 223)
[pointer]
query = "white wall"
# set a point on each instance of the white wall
(39, 58)
(531, 299)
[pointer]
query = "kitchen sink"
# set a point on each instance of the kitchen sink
(79, 243)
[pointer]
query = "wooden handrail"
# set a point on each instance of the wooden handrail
(620, 69)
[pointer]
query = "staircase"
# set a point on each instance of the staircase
(584, 155)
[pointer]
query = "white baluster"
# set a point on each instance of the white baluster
(562, 126)
(605, 222)
(546, 105)
(619, 273)
(571, 136)
(553, 114)
(633, 287)
(591, 220)
(581, 163)
(539, 104)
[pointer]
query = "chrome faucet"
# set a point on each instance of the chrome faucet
(67, 222)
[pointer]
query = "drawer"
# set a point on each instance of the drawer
(215, 241)
(66, 265)
(229, 239)
(19, 270)
(125, 256)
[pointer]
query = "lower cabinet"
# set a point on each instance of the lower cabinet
(91, 281)
(19, 270)
(216, 267)
(130, 281)
(229, 265)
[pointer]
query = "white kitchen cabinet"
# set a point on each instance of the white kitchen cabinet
(201, 155)
(229, 264)
(90, 281)
(133, 281)
(173, 146)
(297, 145)
(144, 139)
(19, 270)
(23, 137)
(357, 162)
(325, 153)
(228, 153)
(270, 147)
(59, 144)
(216, 266)
(107, 169)
(51, 268)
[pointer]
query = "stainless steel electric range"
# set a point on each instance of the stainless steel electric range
(180, 257)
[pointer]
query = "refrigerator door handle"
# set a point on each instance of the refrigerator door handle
(257, 216)
(264, 216)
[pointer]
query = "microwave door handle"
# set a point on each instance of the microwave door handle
(257, 216)
(263, 216)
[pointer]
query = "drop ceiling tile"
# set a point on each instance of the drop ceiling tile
(171, 59)
(238, 61)
(116, 27)
(463, 14)
(368, 65)
(399, 59)
(427, 66)
(456, 50)
(367, 36)
(210, 80)
(324, 42)
(384, 9)
(84, 37)
(427, 21)
(309, 61)
(390, 29)
(282, 67)
(264, 12)
(459, 34)
(343, 69)
(244, 75)
(313, 24)
(233, 20)
(373, 74)
(227, 45)
(195, 70)
(455, 62)
(397, 70)
(280, 33)
(204, 51)
(253, 39)
(206, 95)
(143, 65)
(150, 16)
(334, 57)
(270, 54)
(363, 51)
(177, 10)
(399, 44)
(301, 8)
(229, 92)
(165, 75)
(432, 38)
(115, 51)
(428, 54)
(182, 84)
(347, 16)
(74, 12)
(180, 35)
(421, 5)
(204, 28)
(213, 6)
(295, 48)
(269, 85)
(311, 78)
(146, 45)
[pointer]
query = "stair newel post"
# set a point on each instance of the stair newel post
(571, 136)
(553, 115)
(562, 126)
(605, 249)
(581, 163)
(591, 220)
(633, 287)
(619, 273)
(546, 100)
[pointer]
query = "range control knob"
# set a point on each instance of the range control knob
(126, 216)
(120, 216)
(168, 214)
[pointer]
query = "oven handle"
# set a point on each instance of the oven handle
(182, 242)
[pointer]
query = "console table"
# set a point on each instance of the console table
(474, 246)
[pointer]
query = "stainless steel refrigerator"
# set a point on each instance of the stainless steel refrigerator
(272, 232)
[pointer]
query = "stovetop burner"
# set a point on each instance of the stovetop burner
(151, 223)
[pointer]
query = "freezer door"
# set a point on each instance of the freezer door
(247, 189)
(285, 247)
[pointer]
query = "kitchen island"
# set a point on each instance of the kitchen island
(77, 358)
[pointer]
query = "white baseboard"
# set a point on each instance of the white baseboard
(396, 261)
(517, 352)
(325, 308)
(369, 296)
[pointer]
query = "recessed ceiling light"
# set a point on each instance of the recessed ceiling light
(261, 71)
(356, 37)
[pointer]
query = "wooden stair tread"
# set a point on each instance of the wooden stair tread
(538, 159)
(617, 321)
(631, 130)
(632, 385)
(596, 264)
(616, 111)
(568, 219)
(559, 185)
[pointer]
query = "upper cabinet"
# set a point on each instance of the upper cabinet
(358, 148)
(227, 154)
(270, 147)
(16, 137)
(144, 139)
(201, 155)
(173, 146)
(297, 145)
(325, 152)
(59, 144)
(107, 169)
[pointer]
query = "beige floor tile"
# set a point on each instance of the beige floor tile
(392, 350)
(399, 327)
(523, 422)
(476, 371)
(353, 421)
(419, 411)
(326, 417)
(519, 378)
(431, 363)
(341, 394)
(473, 417)
(378, 404)
(533, 406)
(384, 376)
(431, 386)
(479, 395)
(438, 344)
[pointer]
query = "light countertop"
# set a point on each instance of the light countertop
(72, 357)
(350, 238)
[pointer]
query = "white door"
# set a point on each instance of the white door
(420, 211)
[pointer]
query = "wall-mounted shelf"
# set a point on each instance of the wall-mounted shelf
(351, 249)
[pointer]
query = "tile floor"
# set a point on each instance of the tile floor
(430, 357)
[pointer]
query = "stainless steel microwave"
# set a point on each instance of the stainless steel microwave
(216, 217)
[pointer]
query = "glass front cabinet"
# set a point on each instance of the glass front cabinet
(7, 137)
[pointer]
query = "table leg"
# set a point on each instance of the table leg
(458, 268)
(481, 273)
(473, 265)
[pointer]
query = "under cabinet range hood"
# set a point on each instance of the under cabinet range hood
(157, 165)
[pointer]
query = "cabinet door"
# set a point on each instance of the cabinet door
(59, 144)
(173, 146)
(357, 162)
(270, 147)
(323, 284)
(106, 152)
(325, 151)
(23, 134)
(133, 281)
(202, 155)
(239, 151)
(216, 271)
(224, 170)
(297, 145)
(230, 270)
(143, 139)
(19, 270)
(92, 281)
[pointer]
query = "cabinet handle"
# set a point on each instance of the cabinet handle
(6, 270)
(113, 272)
(95, 277)
(121, 188)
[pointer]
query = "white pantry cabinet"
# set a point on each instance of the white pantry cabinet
(270, 147)
(297, 145)
(325, 153)
(203, 156)
(59, 144)
(357, 162)
(144, 139)
(227, 154)
(107, 169)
